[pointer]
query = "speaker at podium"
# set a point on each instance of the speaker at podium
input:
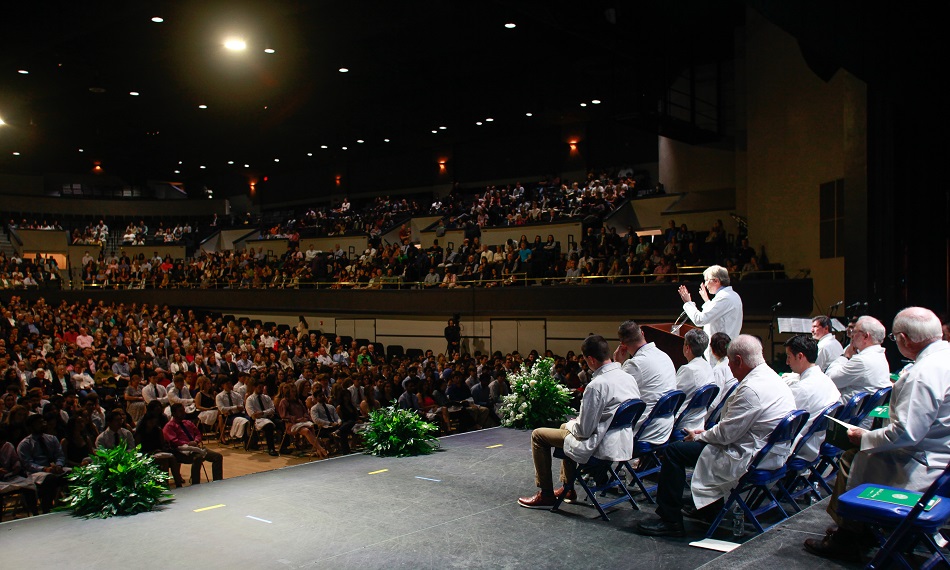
(668, 337)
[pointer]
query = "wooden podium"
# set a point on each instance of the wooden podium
(671, 344)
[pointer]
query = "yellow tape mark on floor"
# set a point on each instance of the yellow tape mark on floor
(208, 508)
(494, 446)
(377, 472)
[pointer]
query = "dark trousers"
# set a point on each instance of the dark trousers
(213, 457)
(672, 482)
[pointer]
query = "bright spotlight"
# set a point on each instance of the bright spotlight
(235, 44)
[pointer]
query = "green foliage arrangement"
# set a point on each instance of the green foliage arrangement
(118, 481)
(393, 432)
(537, 399)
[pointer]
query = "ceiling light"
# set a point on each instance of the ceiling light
(529, 114)
(344, 148)
(434, 131)
(15, 153)
(179, 162)
(511, 25)
(178, 172)
(583, 104)
(309, 154)
(230, 162)
(247, 166)
(344, 70)
(385, 140)
(595, 101)
(442, 128)
(479, 123)
(80, 150)
(23, 72)
(359, 141)
(276, 160)
(235, 44)
(2, 122)
(202, 167)
(323, 146)
(158, 19)
(489, 119)
(134, 93)
(202, 106)
(269, 50)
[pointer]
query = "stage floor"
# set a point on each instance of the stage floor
(453, 509)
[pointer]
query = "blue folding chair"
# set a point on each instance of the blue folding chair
(828, 454)
(648, 453)
(713, 418)
(911, 526)
(626, 415)
(876, 399)
(753, 487)
(697, 407)
(796, 484)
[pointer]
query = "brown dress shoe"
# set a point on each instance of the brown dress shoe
(835, 547)
(538, 501)
(567, 495)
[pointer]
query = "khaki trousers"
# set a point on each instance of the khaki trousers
(542, 441)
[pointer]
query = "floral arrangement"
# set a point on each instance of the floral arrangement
(537, 399)
(117, 481)
(392, 431)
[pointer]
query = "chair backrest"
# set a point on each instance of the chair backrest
(852, 407)
(665, 407)
(819, 425)
(714, 416)
(627, 414)
(785, 432)
(874, 400)
(699, 403)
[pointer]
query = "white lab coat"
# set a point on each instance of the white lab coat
(691, 377)
(813, 392)
(914, 448)
(723, 313)
(609, 387)
(722, 377)
(866, 371)
(829, 349)
(655, 375)
(760, 402)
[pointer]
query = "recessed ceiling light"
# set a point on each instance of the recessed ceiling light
(583, 104)
(595, 101)
(230, 162)
(2, 122)
(15, 153)
(80, 150)
(442, 128)
(269, 50)
(134, 93)
(344, 148)
(479, 123)
(276, 160)
(323, 146)
(489, 119)
(178, 172)
(158, 19)
(309, 154)
(434, 131)
(202, 106)
(344, 70)
(179, 163)
(235, 44)
(359, 141)
(247, 166)
(202, 167)
(529, 114)
(511, 25)
(385, 140)
(23, 72)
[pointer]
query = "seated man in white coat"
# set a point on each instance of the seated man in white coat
(693, 375)
(829, 349)
(721, 455)
(722, 313)
(654, 373)
(813, 391)
(586, 435)
(863, 366)
(914, 448)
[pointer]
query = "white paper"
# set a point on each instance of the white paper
(713, 544)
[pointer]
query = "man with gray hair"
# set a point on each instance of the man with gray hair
(721, 455)
(695, 374)
(723, 313)
(914, 448)
(863, 366)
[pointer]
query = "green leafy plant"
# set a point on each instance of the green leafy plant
(393, 432)
(118, 481)
(537, 399)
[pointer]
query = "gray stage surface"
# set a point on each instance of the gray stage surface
(454, 509)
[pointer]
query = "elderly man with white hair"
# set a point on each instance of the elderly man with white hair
(863, 366)
(913, 449)
(723, 313)
(721, 455)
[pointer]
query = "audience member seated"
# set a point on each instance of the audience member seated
(863, 366)
(185, 440)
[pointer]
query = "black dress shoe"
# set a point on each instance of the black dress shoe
(660, 527)
(835, 546)
(706, 514)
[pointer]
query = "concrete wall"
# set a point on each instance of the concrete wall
(53, 206)
(649, 214)
(687, 168)
(40, 241)
(801, 132)
(563, 233)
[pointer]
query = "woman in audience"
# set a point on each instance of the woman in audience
(297, 418)
(134, 401)
(149, 435)
(79, 443)
(205, 402)
(369, 403)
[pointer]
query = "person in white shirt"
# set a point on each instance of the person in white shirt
(813, 391)
(693, 375)
(260, 407)
(652, 370)
(115, 433)
(178, 393)
(863, 366)
(723, 313)
(230, 406)
(722, 374)
(829, 348)
(154, 390)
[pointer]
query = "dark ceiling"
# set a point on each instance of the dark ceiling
(414, 67)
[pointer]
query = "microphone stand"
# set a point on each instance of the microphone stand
(772, 335)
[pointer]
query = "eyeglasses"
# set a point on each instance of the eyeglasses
(893, 336)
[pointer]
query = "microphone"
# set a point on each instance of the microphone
(856, 305)
(677, 325)
(776, 305)
(838, 304)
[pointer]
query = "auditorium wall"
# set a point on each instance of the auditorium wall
(803, 132)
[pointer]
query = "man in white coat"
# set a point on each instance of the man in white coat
(721, 455)
(863, 366)
(721, 314)
(654, 373)
(914, 448)
(813, 391)
(829, 349)
(693, 375)
(585, 436)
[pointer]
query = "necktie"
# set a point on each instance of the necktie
(230, 400)
(187, 431)
(326, 410)
(118, 437)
